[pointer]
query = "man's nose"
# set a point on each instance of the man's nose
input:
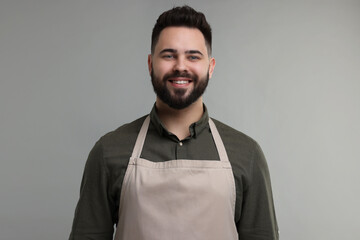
(180, 64)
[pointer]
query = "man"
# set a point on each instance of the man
(176, 174)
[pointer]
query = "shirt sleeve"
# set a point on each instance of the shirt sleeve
(94, 212)
(258, 220)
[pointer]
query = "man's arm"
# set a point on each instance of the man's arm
(258, 220)
(94, 212)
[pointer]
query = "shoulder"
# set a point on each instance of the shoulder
(124, 131)
(243, 151)
(233, 137)
(122, 138)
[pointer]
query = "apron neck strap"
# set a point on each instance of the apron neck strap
(216, 136)
(218, 142)
(141, 138)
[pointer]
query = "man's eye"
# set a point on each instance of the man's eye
(168, 56)
(194, 57)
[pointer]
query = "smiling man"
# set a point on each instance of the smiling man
(182, 65)
(176, 173)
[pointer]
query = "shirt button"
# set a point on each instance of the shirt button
(180, 143)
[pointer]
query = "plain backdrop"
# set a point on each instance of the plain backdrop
(287, 74)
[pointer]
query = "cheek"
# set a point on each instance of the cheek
(162, 68)
(201, 69)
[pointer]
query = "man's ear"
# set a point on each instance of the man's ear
(211, 66)
(150, 63)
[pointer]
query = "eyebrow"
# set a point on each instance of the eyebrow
(194, 52)
(171, 50)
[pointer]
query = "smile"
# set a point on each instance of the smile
(180, 82)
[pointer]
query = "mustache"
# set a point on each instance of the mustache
(179, 74)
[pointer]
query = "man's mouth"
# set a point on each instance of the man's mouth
(180, 82)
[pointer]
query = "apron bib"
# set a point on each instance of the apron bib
(177, 199)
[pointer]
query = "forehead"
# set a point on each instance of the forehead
(181, 39)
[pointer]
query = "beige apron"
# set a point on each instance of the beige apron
(177, 199)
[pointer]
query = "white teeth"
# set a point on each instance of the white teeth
(181, 82)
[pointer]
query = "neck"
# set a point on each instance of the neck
(177, 121)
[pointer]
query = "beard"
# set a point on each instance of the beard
(178, 100)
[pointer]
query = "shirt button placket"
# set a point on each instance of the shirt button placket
(181, 150)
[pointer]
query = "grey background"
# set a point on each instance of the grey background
(287, 74)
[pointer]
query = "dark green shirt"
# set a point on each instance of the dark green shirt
(97, 209)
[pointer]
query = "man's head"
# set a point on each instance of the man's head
(180, 64)
(182, 17)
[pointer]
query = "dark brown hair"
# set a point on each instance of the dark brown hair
(178, 17)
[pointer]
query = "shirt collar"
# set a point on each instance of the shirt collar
(195, 128)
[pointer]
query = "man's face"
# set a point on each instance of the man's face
(180, 66)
